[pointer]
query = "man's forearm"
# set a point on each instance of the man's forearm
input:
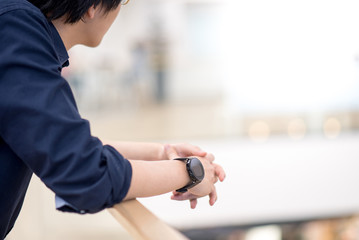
(156, 177)
(138, 150)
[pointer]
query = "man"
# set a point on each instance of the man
(42, 132)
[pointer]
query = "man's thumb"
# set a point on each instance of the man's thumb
(171, 151)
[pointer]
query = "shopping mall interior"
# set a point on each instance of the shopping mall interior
(269, 87)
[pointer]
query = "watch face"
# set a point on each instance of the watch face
(197, 169)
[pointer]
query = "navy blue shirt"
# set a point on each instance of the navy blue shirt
(41, 130)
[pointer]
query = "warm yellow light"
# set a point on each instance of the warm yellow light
(297, 129)
(332, 128)
(259, 131)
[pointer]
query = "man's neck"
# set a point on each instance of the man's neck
(69, 33)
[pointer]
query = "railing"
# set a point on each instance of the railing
(142, 224)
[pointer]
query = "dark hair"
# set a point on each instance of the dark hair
(73, 10)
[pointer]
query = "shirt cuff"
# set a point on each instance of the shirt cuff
(64, 206)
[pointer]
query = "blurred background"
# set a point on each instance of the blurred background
(269, 87)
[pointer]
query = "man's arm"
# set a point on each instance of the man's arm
(138, 150)
(150, 178)
(165, 176)
(157, 151)
(153, 151)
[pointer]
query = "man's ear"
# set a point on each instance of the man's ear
(90, 14)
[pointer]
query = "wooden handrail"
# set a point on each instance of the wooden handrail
(141, 223)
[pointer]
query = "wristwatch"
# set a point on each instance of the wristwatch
(195, 171)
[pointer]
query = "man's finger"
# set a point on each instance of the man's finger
(219, 172)
(193, 203)
(210, 157)
(176, 193)
(186, 150)
(197, 151)
(183, 196)
(213, 197)
(171, 151)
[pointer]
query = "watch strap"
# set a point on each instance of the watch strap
(185, 188)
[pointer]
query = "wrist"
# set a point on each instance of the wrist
(195, 172)
(182, 172)
(156, 177)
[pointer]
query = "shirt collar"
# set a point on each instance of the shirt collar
(59, 46)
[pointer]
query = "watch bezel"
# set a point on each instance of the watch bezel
(194, 180)
(191, 165)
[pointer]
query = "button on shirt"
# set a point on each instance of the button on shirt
(41, 130)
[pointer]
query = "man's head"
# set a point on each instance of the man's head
(72, 10)
(80, 21)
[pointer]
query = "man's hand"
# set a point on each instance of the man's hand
(213, 172)
(182, 150)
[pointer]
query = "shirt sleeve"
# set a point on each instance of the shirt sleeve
(40, 122)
